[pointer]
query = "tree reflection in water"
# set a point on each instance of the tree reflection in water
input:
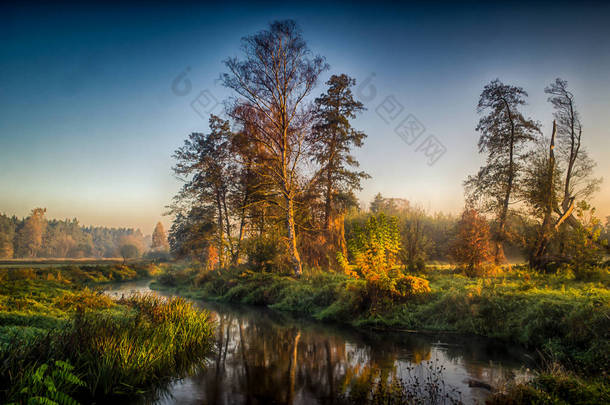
(263, 357)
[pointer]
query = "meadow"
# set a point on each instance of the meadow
(62, 340)
(55, 262)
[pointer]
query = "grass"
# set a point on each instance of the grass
(57, 262)
(122, 347)
(564, 317)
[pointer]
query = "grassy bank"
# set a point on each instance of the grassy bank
(61, 339)
(564, 318)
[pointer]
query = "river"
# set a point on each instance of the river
(266, 357)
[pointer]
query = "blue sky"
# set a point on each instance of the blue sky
(88, 118)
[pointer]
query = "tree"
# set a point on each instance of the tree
(192, 236)
(415, 240)
(29, 237)
(334, 139)
(133, 238)
(578, 166)
(203, 162)
(129, 251)
(7, 234)
(272, 83)
(584, 245)
(505, 135)
(555, 181)
(159, 240)
(471, 246)
(389, 206)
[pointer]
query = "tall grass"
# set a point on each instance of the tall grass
(117, 347)
(148, 342)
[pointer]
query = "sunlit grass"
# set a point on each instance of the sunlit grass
(556, 314)
(125, 346)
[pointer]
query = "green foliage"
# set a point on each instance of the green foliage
(264, 253)
(375, 246)
(192, 234)
(415, 240)
(49, 385)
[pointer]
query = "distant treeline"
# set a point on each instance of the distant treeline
(35, 236)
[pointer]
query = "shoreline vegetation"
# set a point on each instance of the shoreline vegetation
(62, 341)
(562, 319)
(134, 346)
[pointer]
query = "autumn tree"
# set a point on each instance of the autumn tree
(505, 137)
(29, 237)
(272, 83)
(203, 163)
(192, 236)
(471, 246)
(159, 239)
(7, 234)
(133, 238)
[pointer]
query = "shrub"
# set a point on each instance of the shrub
(410, 286)
(264, 253)
(375, 246)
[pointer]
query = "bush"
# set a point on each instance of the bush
(410, 286)
(264, 254)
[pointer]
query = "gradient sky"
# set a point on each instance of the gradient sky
(88, 118)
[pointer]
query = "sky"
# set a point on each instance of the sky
(94, 99)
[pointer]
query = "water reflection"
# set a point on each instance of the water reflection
(265, 357)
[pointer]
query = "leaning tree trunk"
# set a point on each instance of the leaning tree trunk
(546, 228)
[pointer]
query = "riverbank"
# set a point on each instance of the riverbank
(62, 339)
(566, 320)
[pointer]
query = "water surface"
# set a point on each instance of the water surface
(265, 357)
